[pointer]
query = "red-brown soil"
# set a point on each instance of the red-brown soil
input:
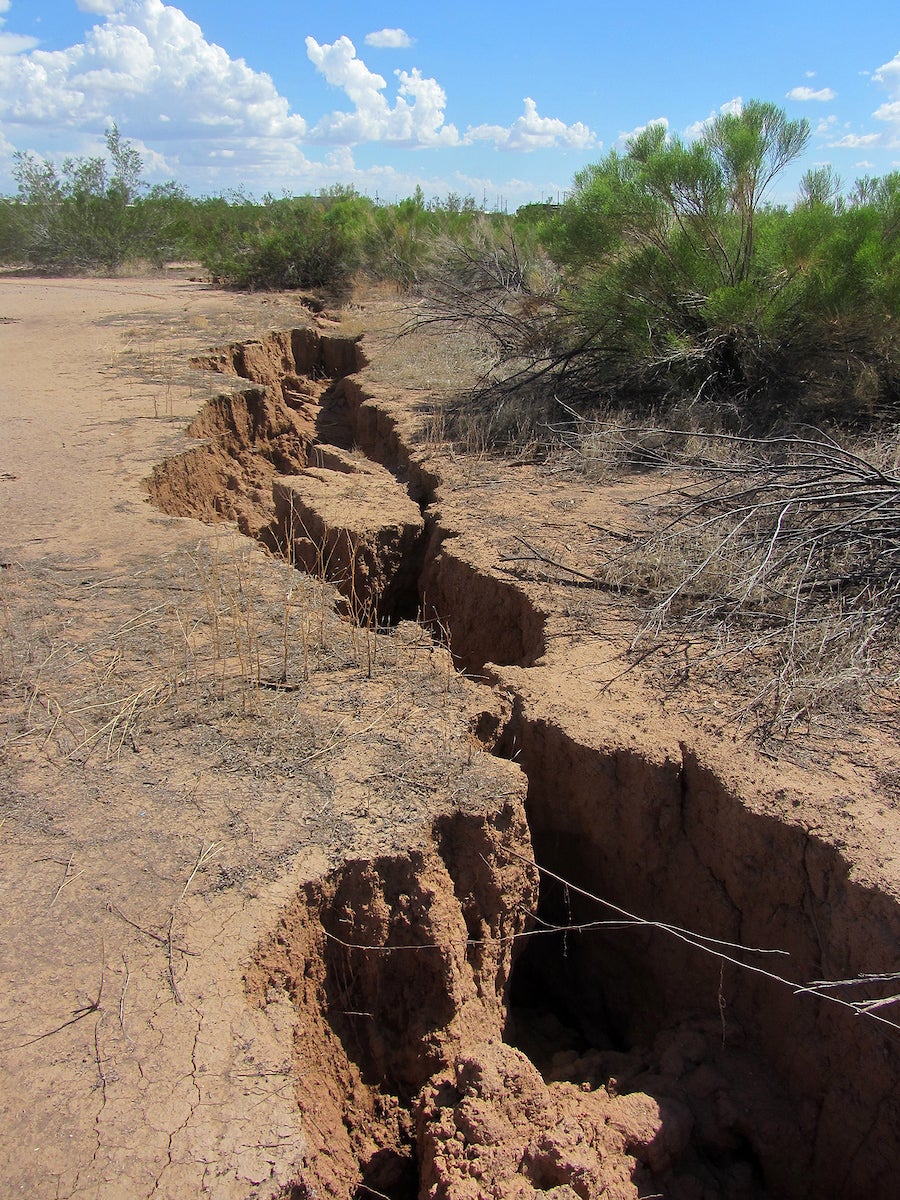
(273, 925)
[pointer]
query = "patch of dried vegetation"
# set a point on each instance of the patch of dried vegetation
(239, 662)
(766, 567)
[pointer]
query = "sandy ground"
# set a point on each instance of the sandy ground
(193, 739)
(155, 809)
(89, 403)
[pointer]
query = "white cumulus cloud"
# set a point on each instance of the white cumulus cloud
(733, 107)
(889, 72)
(100, 7)
(417, 115)
(389, 39)
(213, 121)
(825, 127)
(804, 94)
(416, 118)
(531, 131)
(13, 43)
(146, 59)
(854, 141)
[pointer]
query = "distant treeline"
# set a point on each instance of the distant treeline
(668, 276)
(97, 214)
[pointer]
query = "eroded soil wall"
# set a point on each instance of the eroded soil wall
(757, 1090)
(395, 964)
(247, 437)
(665, 840)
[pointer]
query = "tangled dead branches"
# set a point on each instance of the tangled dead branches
(780, 560)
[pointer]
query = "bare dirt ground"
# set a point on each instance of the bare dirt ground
(271, 921)
(158, 806)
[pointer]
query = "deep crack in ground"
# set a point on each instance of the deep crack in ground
(478, 1035)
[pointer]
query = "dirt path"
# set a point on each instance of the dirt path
(158, 808)
(99, 1064)
(76, 441)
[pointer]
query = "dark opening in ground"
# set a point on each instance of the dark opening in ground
(709, 1140)
(392, 1173)
(715, 1084)
(547, 1012)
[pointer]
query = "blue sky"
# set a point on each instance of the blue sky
(504, 102)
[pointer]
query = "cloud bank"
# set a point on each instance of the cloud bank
(149, 68)
(417, 115)
(145, 65)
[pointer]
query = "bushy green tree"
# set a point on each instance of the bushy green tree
(299, 242)
(670, 253)
(91, 213)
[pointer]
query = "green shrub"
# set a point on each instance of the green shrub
(91, 214)
(684, 283)
(307, 242)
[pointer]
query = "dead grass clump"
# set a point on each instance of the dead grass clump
(244, 662)
(409, 353)
(610, 443)
(775, 571)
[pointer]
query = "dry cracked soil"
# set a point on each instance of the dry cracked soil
(341, 854)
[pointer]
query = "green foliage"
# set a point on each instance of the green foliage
(673, 279)
(305, 242)
(14, 231)
(398, 242)
(89, 214)
(684, 282)
(97, 214)
(322, 241)
(404, 242)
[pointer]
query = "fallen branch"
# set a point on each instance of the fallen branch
(536, 555)
(720, 950)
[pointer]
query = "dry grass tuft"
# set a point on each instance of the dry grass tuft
(773, 572)
(411, 354)
(226, 641)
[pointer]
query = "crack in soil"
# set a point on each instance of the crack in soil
(463, 1032)
(192, 1109)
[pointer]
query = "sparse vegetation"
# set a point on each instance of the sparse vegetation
(667, 278)
(98, 214)
(668, 315)
(682, 322)
(773, 571)
(676, 285)
(214, 811)
(90, 214)
(238, 657)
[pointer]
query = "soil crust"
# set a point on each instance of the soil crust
(343, 852)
